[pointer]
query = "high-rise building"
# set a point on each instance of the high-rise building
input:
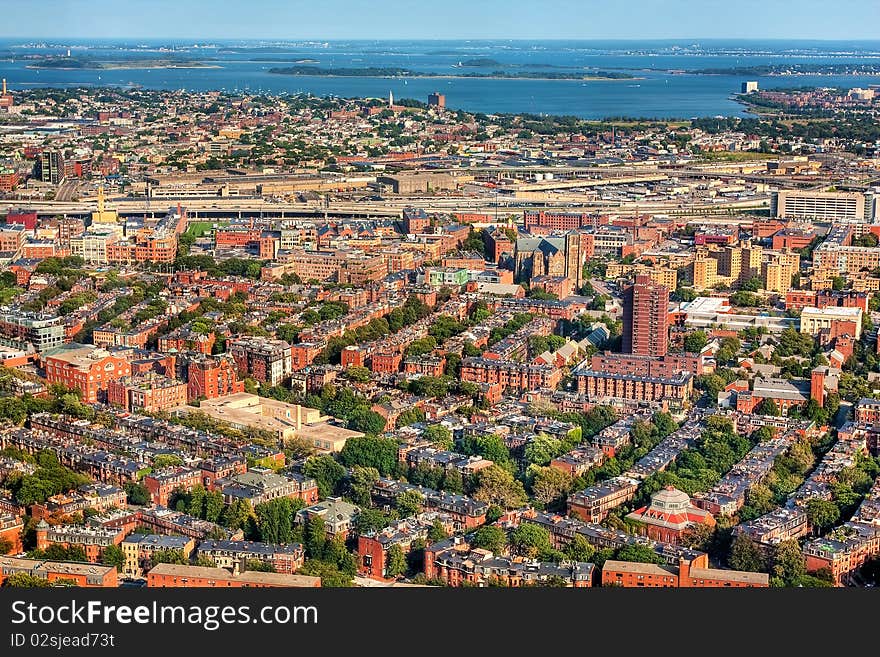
(645, 318)
(436, 99)
(51, 167)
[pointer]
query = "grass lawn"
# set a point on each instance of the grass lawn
(200, 228)
(734, 156)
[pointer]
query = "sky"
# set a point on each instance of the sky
(441, 19)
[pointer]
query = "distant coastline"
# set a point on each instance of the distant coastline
(72, 64)
(380, 72)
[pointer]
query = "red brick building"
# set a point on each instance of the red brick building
(163, 483)
(92, 540)
(630, 574)
(373, 547)
(645, 318)
(386, 363)
(454, 562)
(82, 574)
(10, 531)
(166, 575)
(669, 515)
(147, 393)
(593, 504)
(85, 368)
(212, 377)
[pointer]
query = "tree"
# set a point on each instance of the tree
(769, 407)
(214, 506)
(530, 539)
(822, 514)
(579, 549)
(697, 536)
(639, 553)
(238, 515)
(789, 564)
(452, 481)
(315, 536)
(549, 484)
(331, 575)
(664, 423)
(437, 532)
(166, 460)
(168, 556)
(112, 555)
(490, 537)
(440, 436)
(326, 472)
(371, 451)
(746, 555)
(358, 374)
(497, 486)
(259, 566)
(367, 421)
(395, 561)
(694, 341)
(371, 520)
(137, 493)
(492, 447)
(275, 519)
(26, 581)
(760, 498)
(196, 506)
(360, 484)
(541, 449)
(409, 503)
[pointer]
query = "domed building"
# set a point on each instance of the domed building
(668, 515)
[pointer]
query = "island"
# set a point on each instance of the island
(479, 62)
(791, 69)
(377, 72)
(73, 63)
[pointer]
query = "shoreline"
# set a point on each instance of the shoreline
(115, 68)
(459, 77)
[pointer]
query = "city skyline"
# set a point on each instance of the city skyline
(680, 19)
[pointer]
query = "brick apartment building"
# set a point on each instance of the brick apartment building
(92, 540)
(512, 376)
(235, 555)
(150, 393)
(139, 549)
(86, 575)
(10, 531)
(84, 368)
(645, 318)
(454, 562)
(373, 547)
(593, 504)
(264, 359)
(210, 377)
(260, 485)
(162, 483)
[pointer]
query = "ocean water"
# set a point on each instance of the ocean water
(244, 66)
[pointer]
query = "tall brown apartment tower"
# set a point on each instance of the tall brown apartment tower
(645, 318)
(574, 259)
